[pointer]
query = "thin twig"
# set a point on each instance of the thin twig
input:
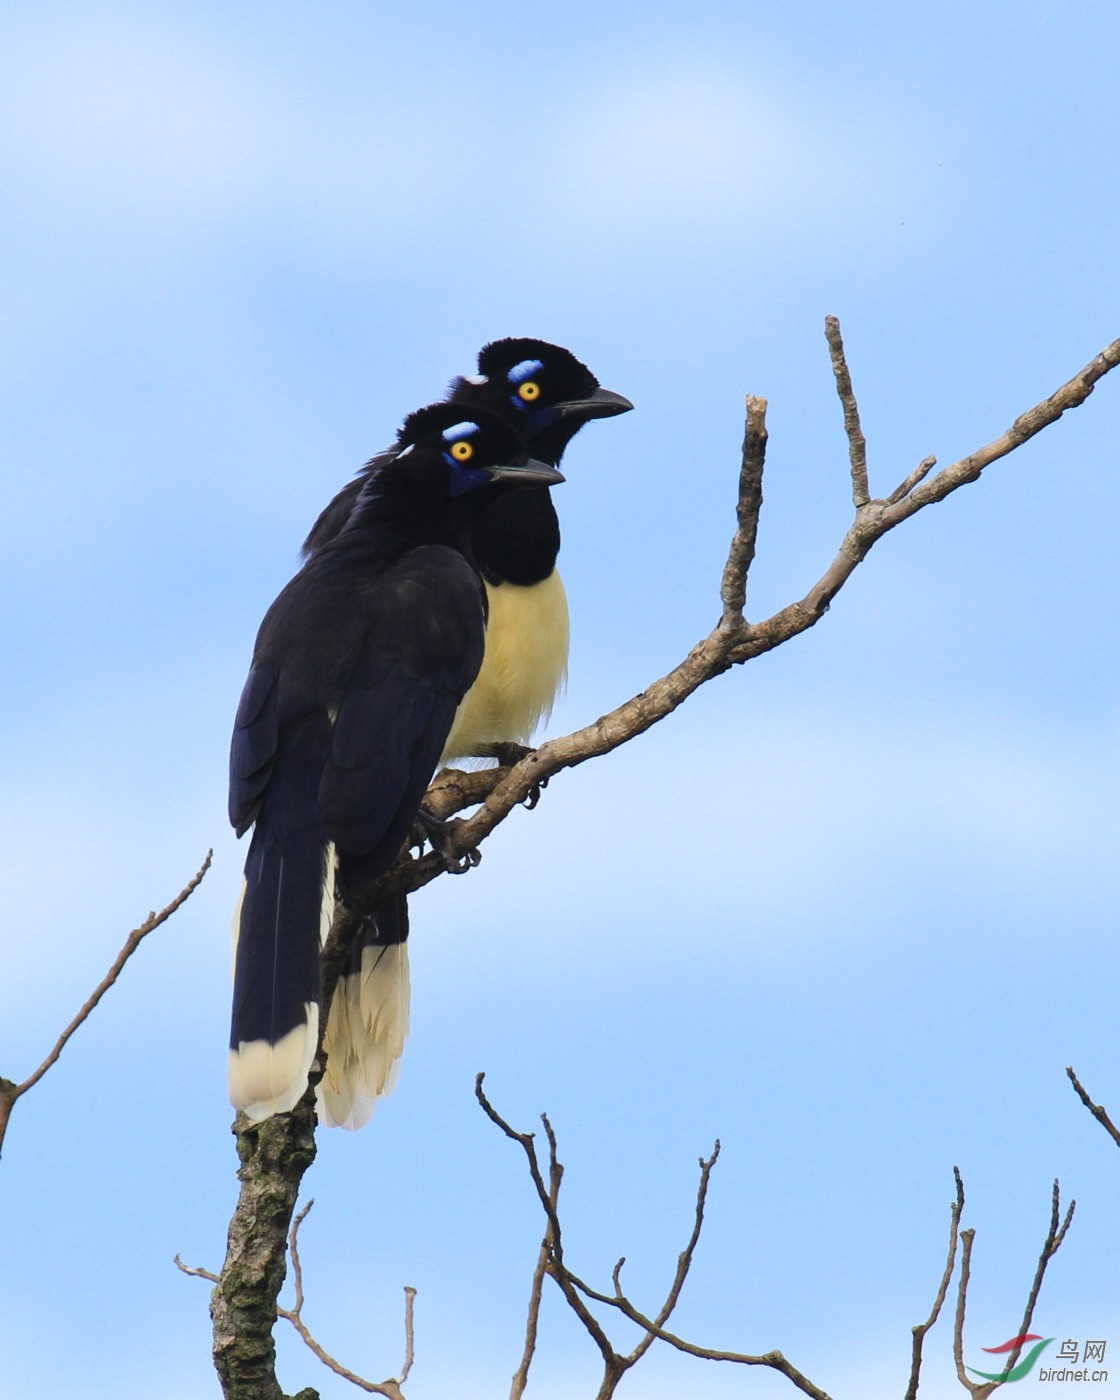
(1094, 1108)
(920, 472)
(1050, 1246)
(195, 1273)
(923, 1327)
(857, 443)
(409, 1333)
(572, 1286)
(532, 1321)
(1054, 1237)
(613, 1362)
(391, 1388)
(553, 1241)
(545, 1195)
(773, 1359)
(10, 1092)
(967, 1236)
(684, 1260)
(1053, 1242)
(733, 587)
(293, 1254)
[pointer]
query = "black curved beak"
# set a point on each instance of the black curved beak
(530, 473)
(603, 403)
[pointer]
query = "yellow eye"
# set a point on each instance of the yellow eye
(529, 392)
(462, 451)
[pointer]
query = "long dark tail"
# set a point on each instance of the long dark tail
(368, 1020)
(281, 920)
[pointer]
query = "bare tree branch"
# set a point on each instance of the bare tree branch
(967, 1237)
(740, 557)
(734, 642)
(391, 1388)
(521, 1375)
(274, 1155)
(684, 1260)
(1050, 1246)
(615, 1364)
(1053, 1242)
(923, 1327)
(1095, 1109)
(857, 444)
(920, 472)
(549, 1197)
(195, 1273)
(9, 1091)
(773, 1360)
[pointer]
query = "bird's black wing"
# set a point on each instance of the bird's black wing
(253, 748)
(422, 648)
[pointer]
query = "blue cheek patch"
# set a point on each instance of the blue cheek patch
(463, 478)
(535, 418)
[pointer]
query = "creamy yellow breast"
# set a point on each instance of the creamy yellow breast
(523, 667)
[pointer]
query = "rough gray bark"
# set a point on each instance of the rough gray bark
(274, 1156)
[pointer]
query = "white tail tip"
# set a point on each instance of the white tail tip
(265, 1079)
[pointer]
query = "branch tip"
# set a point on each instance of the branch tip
(1096, 1110)
(857, 443)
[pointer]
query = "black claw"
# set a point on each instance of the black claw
(533, 796)
(438, 833)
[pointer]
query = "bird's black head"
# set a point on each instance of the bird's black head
(449, 460)
(540, 388)
(466, 448)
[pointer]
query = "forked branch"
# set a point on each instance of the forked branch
(919, 1332)
(391, 1388)
(1050, 1246)
(575, 1290)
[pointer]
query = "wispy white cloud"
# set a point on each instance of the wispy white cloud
(667, 147)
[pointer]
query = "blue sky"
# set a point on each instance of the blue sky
(851, 910)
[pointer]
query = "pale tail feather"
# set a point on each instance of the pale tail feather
(366, 1031)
